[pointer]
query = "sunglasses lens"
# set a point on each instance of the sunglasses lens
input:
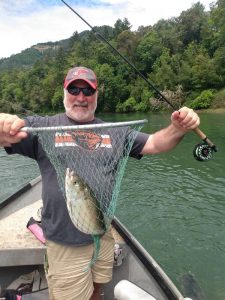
(88, 91)
(73, 90)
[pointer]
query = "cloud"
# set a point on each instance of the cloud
(24, 23)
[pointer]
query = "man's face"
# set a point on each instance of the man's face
(79, 107)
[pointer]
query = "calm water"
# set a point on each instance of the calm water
(172, 203)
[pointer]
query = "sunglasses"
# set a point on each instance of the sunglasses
(87, 91)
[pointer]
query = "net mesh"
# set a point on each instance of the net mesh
(90, 164)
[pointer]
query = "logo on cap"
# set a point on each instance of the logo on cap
(80, 72)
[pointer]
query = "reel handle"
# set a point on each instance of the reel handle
(205, 138)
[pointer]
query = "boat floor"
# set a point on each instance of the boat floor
(21, 252)
(17, 245)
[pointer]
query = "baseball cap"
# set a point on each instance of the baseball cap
(81, 73)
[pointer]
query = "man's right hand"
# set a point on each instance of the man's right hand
(10, 126)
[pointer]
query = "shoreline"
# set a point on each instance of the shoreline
(212, 110)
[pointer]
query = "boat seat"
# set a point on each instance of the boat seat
(126, 290)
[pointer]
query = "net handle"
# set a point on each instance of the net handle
(86, 126)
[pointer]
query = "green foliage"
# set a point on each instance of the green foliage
(143, 106)
(107, 88)
(167, 31)
(127, 106)
(149, 49)
(191, 23)
(103, 55)
(121, 25)
(203, 101)
(131, 105)
(57, 99)
(217, 18)
(184, 57)
(163, 73)
(127, 42)
(219, 99)
(31, 55)
(218, 61)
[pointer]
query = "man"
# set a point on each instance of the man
(69, 250)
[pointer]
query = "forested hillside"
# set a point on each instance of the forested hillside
(184, 57)
(29, 56)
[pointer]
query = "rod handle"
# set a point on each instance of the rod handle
(205, 138)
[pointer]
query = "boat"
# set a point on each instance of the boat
(136, 274)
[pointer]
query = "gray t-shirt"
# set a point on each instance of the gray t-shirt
(56, 223)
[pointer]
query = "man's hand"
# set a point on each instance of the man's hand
(185, 119)
(10, 126)
(166, 139)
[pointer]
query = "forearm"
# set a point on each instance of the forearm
(163, 140)
(166, 139)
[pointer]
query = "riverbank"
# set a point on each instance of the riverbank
(213, 110)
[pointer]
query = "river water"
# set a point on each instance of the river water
(173, 204)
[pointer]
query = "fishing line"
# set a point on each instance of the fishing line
(201, 152)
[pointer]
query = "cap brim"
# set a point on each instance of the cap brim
(67, 83)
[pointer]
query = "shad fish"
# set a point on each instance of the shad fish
(82, 206)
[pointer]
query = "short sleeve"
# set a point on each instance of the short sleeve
(138, 145)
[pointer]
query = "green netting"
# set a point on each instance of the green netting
(90, 164)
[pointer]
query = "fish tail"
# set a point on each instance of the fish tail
(97, 240)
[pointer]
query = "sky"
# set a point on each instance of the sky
(24, 23)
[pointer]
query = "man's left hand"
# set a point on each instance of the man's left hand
(185, 119)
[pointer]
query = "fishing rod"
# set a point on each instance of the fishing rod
(202, 151)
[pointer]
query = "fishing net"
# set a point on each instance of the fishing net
(89, 161)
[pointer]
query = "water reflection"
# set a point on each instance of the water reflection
(173, 204)
(16, 170)
(179, 217)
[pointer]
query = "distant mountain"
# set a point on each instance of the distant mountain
(30, 55)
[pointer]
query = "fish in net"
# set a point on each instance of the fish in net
(89, 161)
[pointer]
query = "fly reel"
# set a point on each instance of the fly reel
(203, 151)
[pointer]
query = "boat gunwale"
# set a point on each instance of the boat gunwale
(145, 258)
(149, 262)
(21, 190)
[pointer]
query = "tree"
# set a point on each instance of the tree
(73, 40)
(218, 62)
(103, 54)
(204, 73)
(127, 106)
(168, 33)
(217, 18)
(59, 66)
(191, 23)
(111, 88)
(148, 50)
(163, 74)
(57, 99)
(201, 70)
(127, 43)
(121, 25)
(188, 50)
(203, 101)
(107, 84)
